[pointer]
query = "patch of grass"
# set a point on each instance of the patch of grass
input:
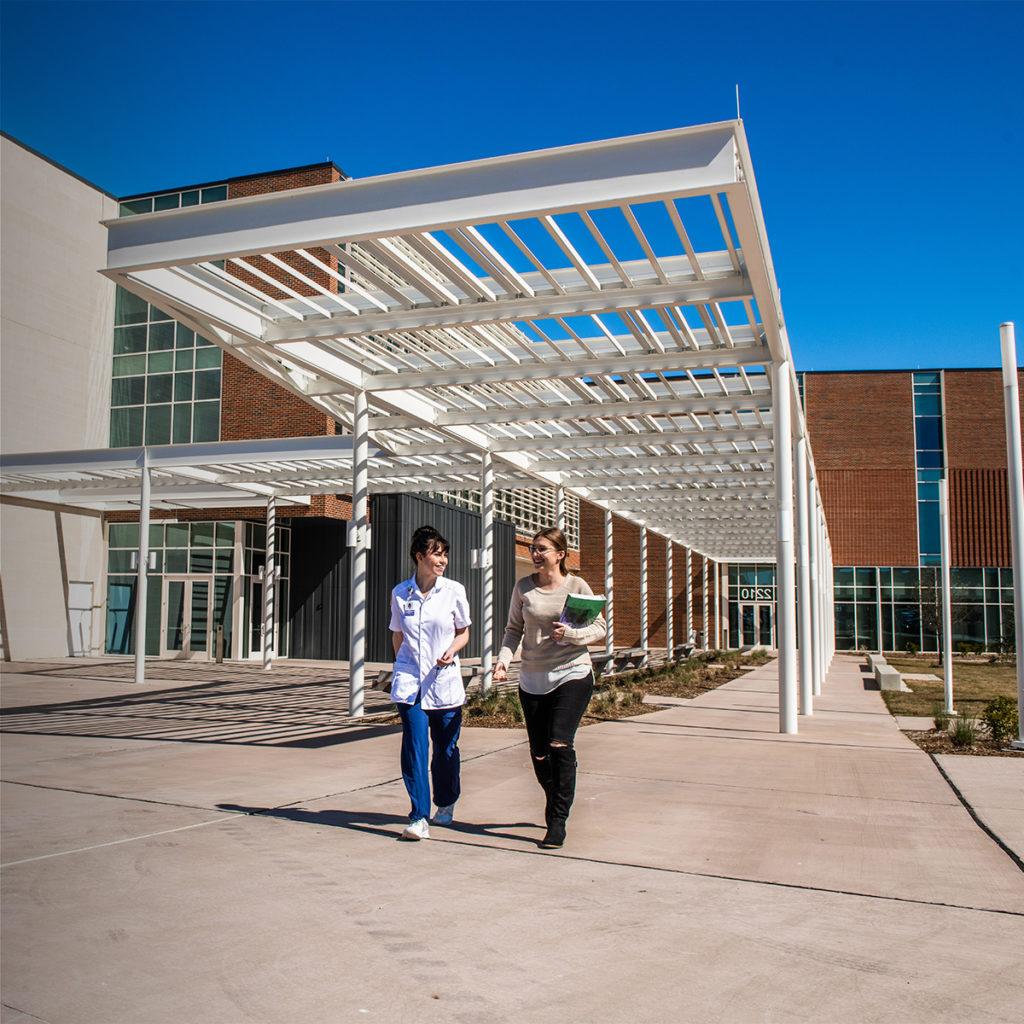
(974, 685)
(499, 709)
(964, 733)
(942, 743)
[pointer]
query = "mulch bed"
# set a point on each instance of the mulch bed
(942, 743)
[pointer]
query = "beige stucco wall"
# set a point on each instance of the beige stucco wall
(56, 317)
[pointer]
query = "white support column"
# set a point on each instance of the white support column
(878, 610)
(689, 597)
(947, 607)
(487, 570)
(803, 529)
(1008, 345)
(559, 507)
(785, 589)
(644, 635)
(704, 632)
(669, 609)
(723, 604)
(141, 582)
(609, 608)
(358, 540)
(815, 588)
(270, 586)
(716, 571)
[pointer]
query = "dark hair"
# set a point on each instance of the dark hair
(425, 541)
(557, 538)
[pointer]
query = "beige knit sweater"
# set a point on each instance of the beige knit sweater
(532, 616)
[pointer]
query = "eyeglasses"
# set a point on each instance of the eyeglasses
(534, 550)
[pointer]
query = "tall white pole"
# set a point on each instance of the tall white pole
(947, 611)
(878, 609)
(487, 569)
(722, 583)
(609, 607)
(1015, 480)
(141, 580)
(270, 586)
(716, 617)
(643, 593)
(803, 530)
(669, 604)
(689, 597)
(560, 508)
(705, 638)
(358, 541)
(815, 588)
(784, 581)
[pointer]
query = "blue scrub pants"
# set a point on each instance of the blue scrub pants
(419, 728)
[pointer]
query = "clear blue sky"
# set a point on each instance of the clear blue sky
(887, 138)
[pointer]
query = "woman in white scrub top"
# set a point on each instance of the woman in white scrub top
(429, 626)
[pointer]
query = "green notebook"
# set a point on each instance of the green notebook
(582, 610)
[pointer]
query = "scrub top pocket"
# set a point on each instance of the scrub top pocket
(405, 683)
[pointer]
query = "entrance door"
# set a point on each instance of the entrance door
(257, 628)
(185, 618)
(757, 625)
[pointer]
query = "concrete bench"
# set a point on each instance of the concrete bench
(602, 663)
(632, 657)
(888, 678)
(874, 660)
(682, 651)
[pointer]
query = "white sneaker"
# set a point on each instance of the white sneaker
(418, 829)
(444, 815)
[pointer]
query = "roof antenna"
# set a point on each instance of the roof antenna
(738, 118)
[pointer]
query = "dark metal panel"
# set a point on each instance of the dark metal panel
(320, 574)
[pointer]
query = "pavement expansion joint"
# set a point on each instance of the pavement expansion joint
(108, 796)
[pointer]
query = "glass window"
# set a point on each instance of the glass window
(928, 404)
(125, 427)
(123, 535)
(177, 559)
(129, 366)
(208, 384)
(991, 577)
(169, 202)
(224, 559)
(183, 337)
(200, 560)
(967, 579)
(926, 377)
(181, 432)
(190, 198)
(865, 579)
(928, 528)
(928, 430)
(129, 308)
(177, 535)
(158, 424)
(127, 391)
(161, 362)
(120, 561)
(136, 206)
(183, 387)
(201, 341)
(184, 358)
(225, 535)
(156, 535)
(158, 388)
(208, 359)
(129, 340)
(845, 627)
(929, 474)
(215, 194)
(908, 626)
(206, 421)
(867, 626)
(202, 535)
(905, 584)
(161, 336)
(928, 492)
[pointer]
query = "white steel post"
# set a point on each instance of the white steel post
(141, 581)
(815, 558)
(878, 609)
(643, 593)
(358, 541)
(560, 508)
(487, 569)
(705, 635)
(803, 529)
(722, 585)
(270, 586)
(947, 611)
(669, 610)
(689, 597)
(784, 582)
(1015, 479)
(609, 607)
(716, 618)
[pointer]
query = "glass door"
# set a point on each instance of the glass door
(256, 618)
(757, 625)
(185, 618)
(748, 636)
(764, 624)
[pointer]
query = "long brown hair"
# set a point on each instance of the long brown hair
(561, 545)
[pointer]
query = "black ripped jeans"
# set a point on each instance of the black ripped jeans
(551, 723)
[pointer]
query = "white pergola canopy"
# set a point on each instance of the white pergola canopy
(602, 317)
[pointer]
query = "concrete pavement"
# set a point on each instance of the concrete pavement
(243, 867)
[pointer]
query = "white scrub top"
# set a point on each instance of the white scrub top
(427, 623)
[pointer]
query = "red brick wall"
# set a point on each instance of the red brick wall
(862, 434)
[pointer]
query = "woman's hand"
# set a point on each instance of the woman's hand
(500, 674)
(558, 633)
(446, 659)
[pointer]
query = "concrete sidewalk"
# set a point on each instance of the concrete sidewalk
(715, 871)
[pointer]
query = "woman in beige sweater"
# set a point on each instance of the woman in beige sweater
(556, 675)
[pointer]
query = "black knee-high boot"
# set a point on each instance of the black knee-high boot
(563, 775)
(543, 770)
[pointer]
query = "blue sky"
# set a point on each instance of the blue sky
(887, 138)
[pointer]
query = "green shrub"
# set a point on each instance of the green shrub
(964, 733)
(941, 717)
(912, 649)
(1000, 715)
